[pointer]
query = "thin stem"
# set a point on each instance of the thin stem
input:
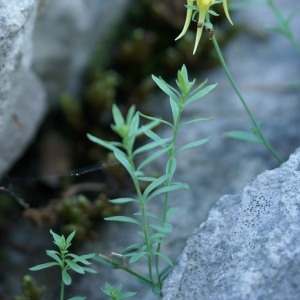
(166, 200)
(255, 123)
(127, 269)
(143, 210)
(62, 290)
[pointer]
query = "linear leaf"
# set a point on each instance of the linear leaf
(122, 158)
(175, 110)
(200, 94)
(167, 189)
(89, 270)
(123, 200)
(195, 121)
(83, 258)
(244, 136)
(152, 157)
(70, 237)
(149, 146)
(123, 219)
(44, 266)
(54, 254)
(192, 145)
(155, 119)
(164, 87)
(74, 266)
(154, 185)
(146, 179)
(105, 144)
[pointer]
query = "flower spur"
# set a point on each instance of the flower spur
(202, 8)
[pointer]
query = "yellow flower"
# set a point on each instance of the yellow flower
(203, 8)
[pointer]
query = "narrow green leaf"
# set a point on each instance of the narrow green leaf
(244, 136)
(167, 189)
(152, 157)
(152, 186)
(70, 237)
(89, 270)
(150, 146)
(117, 116)
(54, 254)
(200, 94)
(123, 200)
(108, 145)
(66, 277)
(146, 179)
(192, 145)
(127, 295)
(122, 158)
(164, 87)
(155, 119)
(123, 219)
(82, 258)
(174, 109)
(58, 240)
(74, 266)
(195, 121)
(44, 266)
(77, 298)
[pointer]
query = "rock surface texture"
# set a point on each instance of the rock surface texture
(249, 247)
(22, 98)
(55, 39)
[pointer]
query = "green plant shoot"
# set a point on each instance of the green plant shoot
(154, 230)
(116, 293)
(66, 261)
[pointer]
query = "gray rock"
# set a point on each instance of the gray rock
(249, 247)
(22, 100)
(59, 46)
(66, 34)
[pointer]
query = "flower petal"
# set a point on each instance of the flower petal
(226, 11)
(187, 20)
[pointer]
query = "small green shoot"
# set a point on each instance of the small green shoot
(66, 261)
(116, 293)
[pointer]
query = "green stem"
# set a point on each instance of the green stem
(166, 200)
(121, 266)
(144, 217)
(62, 290)
(255, 123)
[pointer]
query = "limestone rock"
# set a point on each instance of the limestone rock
(249, 247)
(22, 100)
